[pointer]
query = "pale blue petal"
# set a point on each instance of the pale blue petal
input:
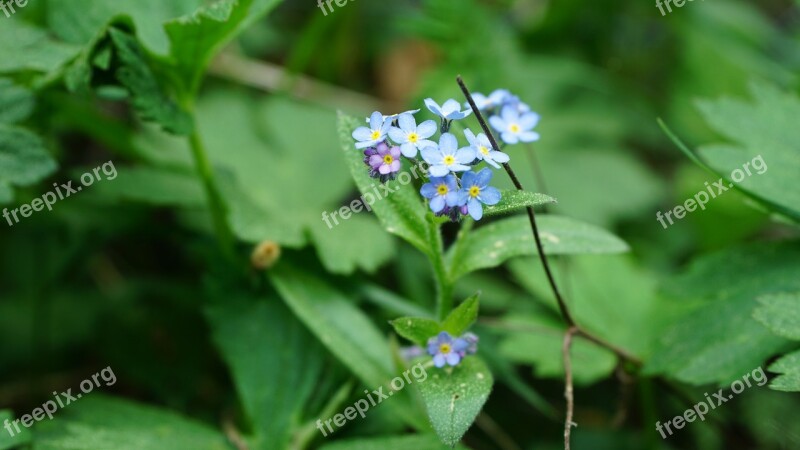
(509, 137)
(453, 358)
(529, 136)
(528, 121)
(397, 135)
(428, 190)
(433, 106)
(453, 198)
(509, 114)
(475, 209)
(408, 150)
(468, 180)
(361, 145)
(490, 195)
(500, 157)
(375, 120)
(439, 170)
(497, 123)
(470, 137)
(425, 143)
(458, 167)
(450, 107)
(448, 144)
(437, 203)
(386, 125)
(431, 155)
(362, 134)
(407, 122)
(484, 177)
(490, 161)
(439, 360)
(460, 345)
(427, 129)
(451, 182)
(465, 155)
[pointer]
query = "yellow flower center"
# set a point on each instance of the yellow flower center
(449, 159)
(413, 138)
(474, 191)
(514, 128)
(445, 349)
(376, 134)
(388, 159)
(483, 150)
(442, 189)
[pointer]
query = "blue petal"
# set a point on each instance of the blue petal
(484, 177)
(458, 115)
(453, 198)
(509, 137)
(362, 134)
(490, 161)
(497, 123)
(444, 337)
(529, 136)
(509, 114)
(465, 155)
(397, 135)
(431, 155)
(407, 123)
(490, 195)
(450, 107)
(433, 106)
(437, 203)
(447, 144)
(458, 167)
(468, 180)
(463, 197)
(438, 170)
(453, 358)
(428, 190)
(475, 209)
(451, 182)
(427, 129)
(439, 360)
(387, 123)
(366, 144)
(408, 150)
(500, 157)
(470, 137)
(375, 120)
(528, 120)
(460, 345)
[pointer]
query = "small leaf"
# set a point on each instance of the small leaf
(416, 329)
(461, 319)
(491, 245)
(513, 200)
(23, 157)
(16, 102)
(454, 396)
(397, 206)
(789, 368)
(781, 314)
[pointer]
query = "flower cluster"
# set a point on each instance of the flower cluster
(453, 189)
(447, 350)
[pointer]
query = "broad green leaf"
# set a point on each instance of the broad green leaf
(491, 245)
(23, 157)
(399, 210)
(340, 249)
(148, 94)
(7, 441)
(454, 397)
(261, 340)
(416, 329)
(788, 367)
(160, 187)
(25, 47)
(462, 317)
(98, 422)
(781, 314)
(512, 200)
(6, 193)
(16, 102)
(338, 323)
(538, 341)
(415, 442)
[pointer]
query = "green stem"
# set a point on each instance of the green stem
(215, 202)
(444, 288)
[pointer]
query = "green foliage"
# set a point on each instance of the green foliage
(462, 317)
(781, 314)
(455, 396)
(514, 200)
(419, 329)
(788, 367)
(420, 442)
(24, 160)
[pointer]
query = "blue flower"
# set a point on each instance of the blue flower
(514, 127)
(450, 110)
(447, 157)
(446, 350)
(516, 103)
(476, 192)
(494, 100)
(411, 137)
(439, 190)
(395, 116)
(483, 149)
(376, 133)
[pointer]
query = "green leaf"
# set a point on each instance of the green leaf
(454, 396)
(401, 212)
(16, 102)
(512, 200)
(416, 442)
(789, 368)
(148, 94)
(98, 422)
(23, 157)
(155, 186)
(6, 440)
(261, 340)
(491, 245)
(416, 329)
(338, 324)
(25, 47)
(781, 314)
(461, 319)
(339, 249)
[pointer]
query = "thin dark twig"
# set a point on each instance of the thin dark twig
(568, 392)
(562, 305)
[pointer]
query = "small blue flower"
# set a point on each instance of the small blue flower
(494, 100)
(516, 103)
(472, 340)
(395, 116)
(446, 350)
(376, 133)
(450, 110)
(476, 192)
(439, 190)
(447, 157)
(514, 127)
(483, 149)
(411, 137)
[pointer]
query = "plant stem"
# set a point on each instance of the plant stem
(568, 392)
(215, 202)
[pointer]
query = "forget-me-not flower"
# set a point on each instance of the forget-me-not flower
(439, 190)
(483, 149)
(447, 157)
(494, 100)
(384, 160)
(476, 192)
(446, 350)
(375, 133)
(411, 137)
(395, 116)
(450, 110)
(515, 127)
